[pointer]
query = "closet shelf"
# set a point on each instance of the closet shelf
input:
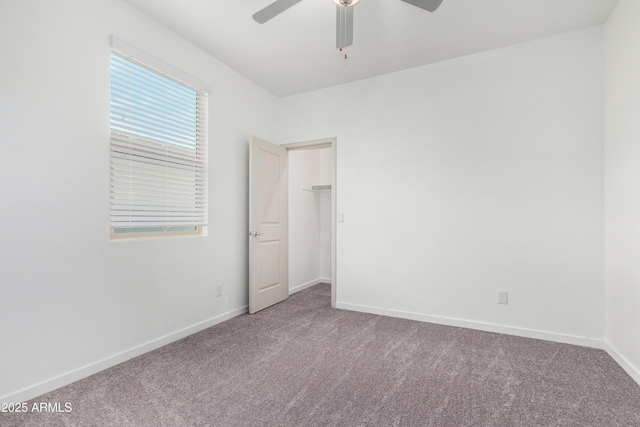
(321, 187)
(316, 187)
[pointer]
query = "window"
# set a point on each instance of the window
(158, 147)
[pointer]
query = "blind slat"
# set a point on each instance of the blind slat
(164, 153)
(125, 67)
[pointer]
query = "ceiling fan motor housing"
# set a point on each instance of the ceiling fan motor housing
(345, 3)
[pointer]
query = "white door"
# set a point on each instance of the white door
(268, 225)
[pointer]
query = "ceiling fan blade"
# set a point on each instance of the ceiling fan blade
(344, 26)
(272, 10)
(430, 5)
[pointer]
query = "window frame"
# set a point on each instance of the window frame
(201, 90)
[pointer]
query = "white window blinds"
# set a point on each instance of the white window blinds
(158, 149)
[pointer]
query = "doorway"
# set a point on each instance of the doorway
(312, 214)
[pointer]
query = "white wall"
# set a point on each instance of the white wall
(468, 176)
(622, 184)
(72, 302)
(309, 218)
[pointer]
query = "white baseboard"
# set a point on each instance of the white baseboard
(39, 389)
(304, 286)
(482, 326)
(633, 371)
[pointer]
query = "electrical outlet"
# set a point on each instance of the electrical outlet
(503, 297)
(218, 290)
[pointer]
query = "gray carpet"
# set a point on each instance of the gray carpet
(301, 363)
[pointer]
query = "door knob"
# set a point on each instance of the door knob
(255, 234)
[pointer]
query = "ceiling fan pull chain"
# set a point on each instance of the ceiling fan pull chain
(345, 55)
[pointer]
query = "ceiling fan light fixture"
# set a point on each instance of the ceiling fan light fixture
(345, 3)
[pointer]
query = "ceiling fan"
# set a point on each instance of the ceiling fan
(344, 15)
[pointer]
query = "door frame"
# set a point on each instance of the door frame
(326, 143)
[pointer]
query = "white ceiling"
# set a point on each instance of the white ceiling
(295, 52)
